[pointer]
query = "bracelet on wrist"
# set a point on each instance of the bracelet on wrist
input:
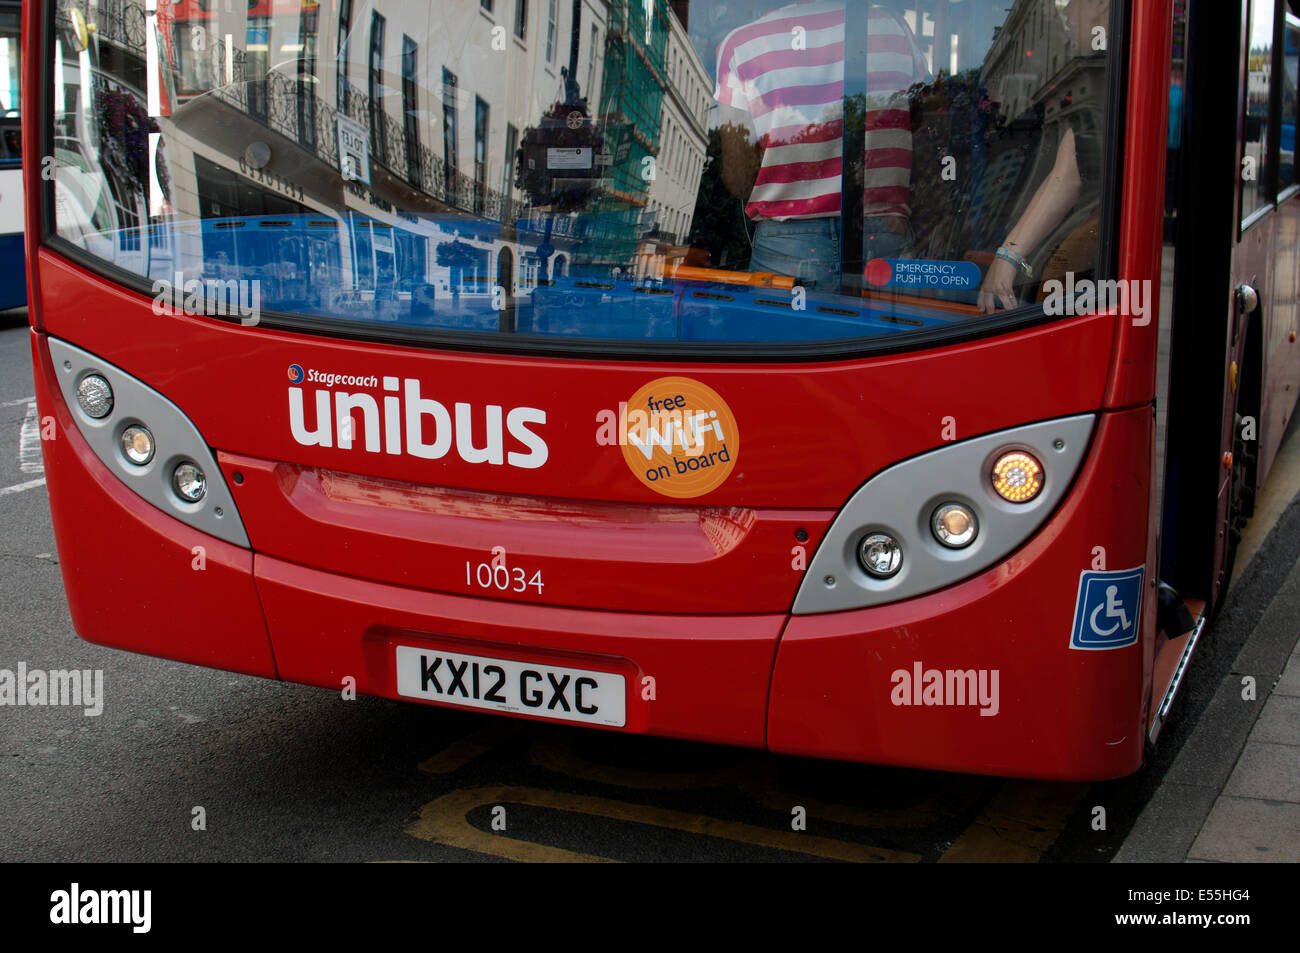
(1007, 255)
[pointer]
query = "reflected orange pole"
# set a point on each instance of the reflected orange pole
(762, 279)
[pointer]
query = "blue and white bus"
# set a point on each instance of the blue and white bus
(13, 281)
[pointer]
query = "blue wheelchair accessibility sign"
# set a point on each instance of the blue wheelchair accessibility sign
(1107, 611)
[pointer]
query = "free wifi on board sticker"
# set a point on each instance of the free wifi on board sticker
(679, 437)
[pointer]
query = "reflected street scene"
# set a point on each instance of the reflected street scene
(676, 170)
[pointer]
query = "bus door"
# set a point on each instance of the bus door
(1231, 214)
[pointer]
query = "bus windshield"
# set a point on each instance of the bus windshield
(709, 171)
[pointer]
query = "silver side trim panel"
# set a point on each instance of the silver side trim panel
(176, 440)
(901, 500)
(1162, 712)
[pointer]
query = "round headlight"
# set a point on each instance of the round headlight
(1017, 477)
(880, 555)
(189, 483)
(95, 396)
(137, 444)
(954, 525)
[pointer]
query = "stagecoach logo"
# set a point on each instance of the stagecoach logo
(395, 417)
(678, 436)
(1107, 610)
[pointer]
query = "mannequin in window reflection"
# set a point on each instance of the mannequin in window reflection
(782, 131)
(1074, 173)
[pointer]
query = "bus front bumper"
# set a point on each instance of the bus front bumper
(702, 677)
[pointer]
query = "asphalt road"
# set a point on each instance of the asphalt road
(284, 772)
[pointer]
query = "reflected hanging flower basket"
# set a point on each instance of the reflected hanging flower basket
(556, 161)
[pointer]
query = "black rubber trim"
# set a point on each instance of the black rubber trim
(1113, 169)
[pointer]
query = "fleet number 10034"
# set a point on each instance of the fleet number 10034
(497, 575)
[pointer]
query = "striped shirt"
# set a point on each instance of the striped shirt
(792, 85)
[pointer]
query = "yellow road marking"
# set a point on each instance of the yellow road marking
(1023, 820)
(444, 821)
(752, 778)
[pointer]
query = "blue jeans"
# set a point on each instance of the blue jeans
(809, 249)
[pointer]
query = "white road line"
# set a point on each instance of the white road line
(19, 487)
(15, 403)
(29, 443)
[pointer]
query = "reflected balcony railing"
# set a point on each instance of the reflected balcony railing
(287, 104)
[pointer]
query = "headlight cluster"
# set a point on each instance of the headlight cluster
(936, 518)
(95, 397)
(1016, 476)
(147, 441)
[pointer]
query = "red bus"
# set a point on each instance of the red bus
(882, 381)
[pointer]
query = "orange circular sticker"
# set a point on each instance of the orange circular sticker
(679, 437)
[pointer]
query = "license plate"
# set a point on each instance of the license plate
(547, 691)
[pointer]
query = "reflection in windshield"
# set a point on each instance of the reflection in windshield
(10, 83)
(715, 170)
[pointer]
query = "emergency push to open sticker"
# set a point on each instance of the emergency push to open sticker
(928, 275)
(679, 437)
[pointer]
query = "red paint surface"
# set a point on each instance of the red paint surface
(1062, 713)
(129, 569)
(600, 555)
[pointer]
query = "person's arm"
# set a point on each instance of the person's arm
(1048, 208)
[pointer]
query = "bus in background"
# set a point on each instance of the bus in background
(13, 276)
(816, 377)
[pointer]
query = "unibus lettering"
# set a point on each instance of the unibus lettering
(409, 422)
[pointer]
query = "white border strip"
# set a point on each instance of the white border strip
(19, 487)
(29, 442)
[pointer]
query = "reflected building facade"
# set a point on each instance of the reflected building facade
(385, 153)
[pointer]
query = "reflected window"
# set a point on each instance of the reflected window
(341, 58)
(305, 48)
(593, 57)
(378, 132)
(410, 110)
(552, 28)
(257, 45)
(194, 72)
(521, 18)
(449, 154)
(480, 150)
(1256, 176)
(512, 144)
